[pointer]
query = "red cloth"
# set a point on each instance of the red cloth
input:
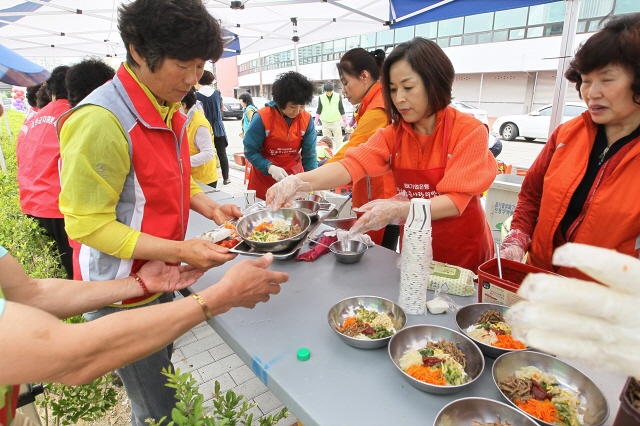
(318, 250)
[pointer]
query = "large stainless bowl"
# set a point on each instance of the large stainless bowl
(347, 308)
(293, 217)
(309, 207)
(468, 315)
(466, 411)
(593, 402)
(417, 337)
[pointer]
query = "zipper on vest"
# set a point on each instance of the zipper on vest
(180, 162)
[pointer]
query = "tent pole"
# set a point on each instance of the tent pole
(566, 53)
(295, 40)
(3, 164)
(480, 94)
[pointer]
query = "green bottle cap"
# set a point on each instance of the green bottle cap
(304, 354)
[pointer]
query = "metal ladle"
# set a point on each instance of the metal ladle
(336, 212)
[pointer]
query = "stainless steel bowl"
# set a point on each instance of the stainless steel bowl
(293, 217)
(315, 197)
(466, 411)
(334, 221)
(593, 402)
(309, 207)
(347, 308)
(468, 315)
(348, 251)
(417, 337)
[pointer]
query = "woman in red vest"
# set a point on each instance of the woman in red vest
(281, 139)
(433, 151)
(580, 187)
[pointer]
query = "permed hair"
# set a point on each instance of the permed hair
(31, 95)
(292, 87)
(56, 85)
(86, 76)
(42, 96)
(177, 29)
(618, 43)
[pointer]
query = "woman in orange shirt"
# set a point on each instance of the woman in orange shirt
(359, 72)
(433, 151)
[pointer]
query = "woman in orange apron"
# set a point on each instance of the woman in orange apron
(281, 139)
(433, 151)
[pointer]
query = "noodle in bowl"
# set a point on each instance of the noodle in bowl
(286, 223)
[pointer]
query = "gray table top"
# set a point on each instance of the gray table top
(341, 385)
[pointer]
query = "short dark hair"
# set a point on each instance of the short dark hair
(43, 97)
(207, 78)
(618, 43)
(357, 60)
(86, 76)
(190, 98)
(31, 95)
(177, 29)
(246, 98)
(292, 87)
(434, 67)
(55, 84)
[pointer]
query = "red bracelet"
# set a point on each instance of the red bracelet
(139, 280)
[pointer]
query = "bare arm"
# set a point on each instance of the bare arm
(328, 176)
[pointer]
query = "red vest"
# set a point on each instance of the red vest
(38, 155)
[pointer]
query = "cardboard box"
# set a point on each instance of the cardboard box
(502, 199)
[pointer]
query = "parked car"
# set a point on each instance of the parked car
(231, 108)
(465, 108)
(536, 123)
(312, 107)
(259, 101)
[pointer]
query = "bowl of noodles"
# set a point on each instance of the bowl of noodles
(436, 359)
(366, 322)
(269, 231)
(481, 412)
(485, 324)
(549, 390)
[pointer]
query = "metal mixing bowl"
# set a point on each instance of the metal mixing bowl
(466, 411)
(347, 308)
(593, 403)
(309, 207)
(348, 251)
(293, 217)
(417, 337)
(468, 315)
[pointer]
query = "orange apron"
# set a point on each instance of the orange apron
(463, 240)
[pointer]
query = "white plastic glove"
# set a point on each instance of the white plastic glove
(284, 191)
(582, 320)
(380, 213)
(278, 173)
(515, 245)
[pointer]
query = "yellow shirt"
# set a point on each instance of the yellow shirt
(95, 164)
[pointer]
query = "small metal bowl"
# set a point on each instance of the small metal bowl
(309, 207)
(417, 337)
(315, 197)
(467, 411)
(245, 226)
(347, 308)
(468, 315)
(348, 251)
(593, 403)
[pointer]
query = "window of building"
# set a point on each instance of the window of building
(368, 40)
(547, 13)
(582, 27)
(449, 27)
(510, 18)
(404, 34)
(339, 45)
(455, 41)
(470, 39)
(353, 42)
(535, 32)
(316, 49)
(594, 25)
(384, 38)
(500, 35)
(327, 47)
(428, 30)
(594, 8)
(626, 6)
(516, 34)
(478, 23)
(553, 29)
(484, 37)
(443, 41)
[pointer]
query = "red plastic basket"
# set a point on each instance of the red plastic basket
(493, 289)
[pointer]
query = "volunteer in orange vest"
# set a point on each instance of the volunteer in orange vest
(582, 188)
(359, 72)
(201, 151)
(281, 139)
(38, 155)
(433, 151)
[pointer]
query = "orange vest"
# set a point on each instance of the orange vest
(612, 219)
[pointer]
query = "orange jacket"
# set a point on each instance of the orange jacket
(470, 169)
(371, 117)
(612, 220)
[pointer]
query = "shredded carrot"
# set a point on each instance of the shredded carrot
(426, 374)
(264, 226)
(348, 322)
(506, 341)
(543, 410)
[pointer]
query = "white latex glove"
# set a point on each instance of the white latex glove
(283, 192)
(278, 173)
(380, 213)
(515, 245)
(582, 320)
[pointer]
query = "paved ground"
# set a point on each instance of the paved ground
(204, 353)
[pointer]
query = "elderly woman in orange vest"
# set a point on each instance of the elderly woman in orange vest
(281, 139)
(433, 151)
(578, 189)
